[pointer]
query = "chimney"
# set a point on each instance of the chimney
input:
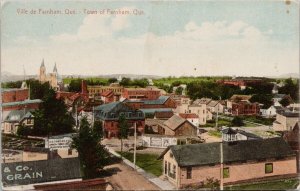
(83, 87)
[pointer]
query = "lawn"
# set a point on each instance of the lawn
(215, 133)
(221, 122)
(275, 185)
(148, 162)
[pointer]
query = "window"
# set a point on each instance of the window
(226, 172)
(268, 168)
(188, 172)
(174, 171)
(171, 155)
(69, 151)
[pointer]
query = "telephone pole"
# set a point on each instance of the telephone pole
(134, 153)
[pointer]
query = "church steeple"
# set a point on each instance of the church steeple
(55, 69)
(43, 65)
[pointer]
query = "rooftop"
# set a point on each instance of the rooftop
(21, 102)
(209, 153)
(160, 100)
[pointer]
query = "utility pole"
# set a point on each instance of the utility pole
(218, 112)
(134, 152)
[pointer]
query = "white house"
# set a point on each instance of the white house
(191, 117)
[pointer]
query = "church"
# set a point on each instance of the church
(53, 78)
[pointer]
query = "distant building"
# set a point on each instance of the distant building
(97, 90)
(160, 102)
(285, 121)
(141, 93)
(230, 134)
(243, 161)
(14, 94)
(240, 105)
(271, 111)
(53, 78)
(241, 82)
(109, 115)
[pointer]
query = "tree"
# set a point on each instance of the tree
(290, 88)
(125, 82)
(179, 90)
(37, 90)
(23, 131)
(75, 85)
(123, 130)
(112, 80)
(265, 99)
(92, 154)
(52, 118)
(237, 121)
(285, 102)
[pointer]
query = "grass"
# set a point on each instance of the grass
(148, 162)
(95, 79)
(275, 185)
(215, 133)
(256, 119)
(221, 122)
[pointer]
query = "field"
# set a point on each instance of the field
(148, 162)
(96, 80)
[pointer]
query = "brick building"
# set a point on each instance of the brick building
(14, 95)
(141, 93)
(241, 82)
(160, 102)
(243, 161)
(109, 115)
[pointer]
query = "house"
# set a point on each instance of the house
(202, 101)
(279, 97)
(285, 121)
(109, 115)
(183, 105)
(241, 105)
(201, 111)
(15, 119)
(19, 105)
(271, 111)
(230, 134)
(191, 117)
(215, 106)
(243, 161)
(178, 126)
(141, 93)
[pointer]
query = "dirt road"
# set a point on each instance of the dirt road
(125, 178)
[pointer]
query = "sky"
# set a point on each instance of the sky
(164, 38)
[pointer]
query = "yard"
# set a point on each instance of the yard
(271, 185)
(148, 162)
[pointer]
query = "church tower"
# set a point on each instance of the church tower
(42, 76)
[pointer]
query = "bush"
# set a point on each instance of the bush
(237, 121)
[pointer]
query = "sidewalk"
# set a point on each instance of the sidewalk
(164, 185)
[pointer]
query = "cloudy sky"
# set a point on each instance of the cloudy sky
(259, 38)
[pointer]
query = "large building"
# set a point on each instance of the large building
(109, 115)
(98, 90)
(141, 93)
(14, 94)
(53, 78)
(243, 161)
(241, 82)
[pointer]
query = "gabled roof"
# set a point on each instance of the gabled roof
(229, 131)
(213, 103)
(188, 115)
(153, 110)
(209, 153)
(174, 122)
(159, 101)
(17, 115)
(202, 101)
(107, 93)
